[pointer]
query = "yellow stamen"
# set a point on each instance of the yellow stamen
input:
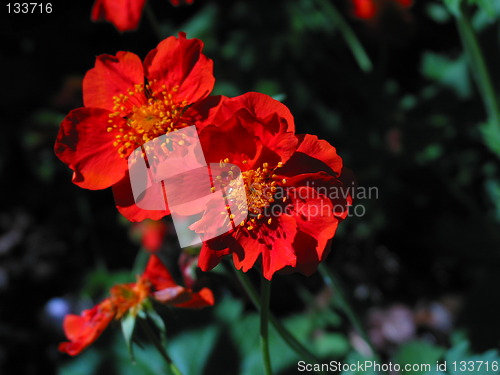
(149, 112)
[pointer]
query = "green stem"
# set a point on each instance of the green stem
(153, 21)
(157, 343)
(140, 262)
(351, 39)
(282, 331)
(265, 294)
(478, 65)
(342, 303)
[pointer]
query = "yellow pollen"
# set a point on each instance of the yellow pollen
(148, 112)
(256, 193)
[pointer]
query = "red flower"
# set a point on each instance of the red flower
(128, 103)
(123, 14)
(85, 329)
(289, 181)
(82, 330)
(151, 233)
(372, 9)
(178, 2)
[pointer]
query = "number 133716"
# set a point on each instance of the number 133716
(31, 8)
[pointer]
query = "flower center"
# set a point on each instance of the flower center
(149, 111)
(260, 191)
(129, 297)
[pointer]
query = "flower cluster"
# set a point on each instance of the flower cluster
(289, 223)
(129, 102)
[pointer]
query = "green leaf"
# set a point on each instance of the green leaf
(437, 12)
(85, 364)
(487, 6)
(201, 23)
(191, 350)
(490, 7)
(148, 361)
(157, 321)
(228, 310)
(418, 352)
(331, 345)
(355, 357)
(452, 73)
(491, 136)
(460, 354)
(279, 97)
(128, 325)
(434, 372)
(429, 154)
(453, 6)
(457, 353)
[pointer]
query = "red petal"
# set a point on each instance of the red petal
(82, 330)
(273, 242)
(198, 300)
(84, 144)
(152, 234)
(124, 200)
(204, 111)
(258, 105)
(252, 127)
(179, 62)
(98, 11)
(111, 76)
(315, 217)
(230, 140)
(338, 191)
(278, 145)
(213, 224)
(244, 137)
(213, 251)
(312, 156)
(124, 14)
(365, 9)
(321, 150)
(307, 260)
(167, 290)
(158, 274)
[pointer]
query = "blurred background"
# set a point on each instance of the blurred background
(391, 90)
